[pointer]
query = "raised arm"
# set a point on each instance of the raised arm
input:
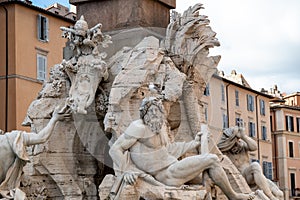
(251, 144)
(44, 134)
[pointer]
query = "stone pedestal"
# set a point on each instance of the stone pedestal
(120, 14)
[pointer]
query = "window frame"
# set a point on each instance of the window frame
(206, 91)
(264, 133)
(250, 102)
(222, 92)
(298, 124)
(262, 105)
(237, 100)
(225, 121)
(44, 71)
(251, 128)
(42, 28)
(267, 169)
(291, 149)
(289, 123)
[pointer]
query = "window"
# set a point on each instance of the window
(43, 28)
(271, 123)
(298, 124)
(251, 129)
(225, 121)
(238, 120)
(262, 107)
(293, 184)
(267, 170)
(206, 114)
(223, 92)
(250, 102)
(41, 67)
(237, 101)
(264, 132)
(206, 91)
(291, 149)
(289, 122)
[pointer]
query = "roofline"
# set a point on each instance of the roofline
(285, 106)
(42, 10)
(244, 87)
(293, 94)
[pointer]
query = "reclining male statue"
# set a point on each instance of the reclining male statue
(146, 143)
(13, 155)
(236, 144)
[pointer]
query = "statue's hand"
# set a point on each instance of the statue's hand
(61, 113)
(239, 131)
(130, 177)
(197, 139)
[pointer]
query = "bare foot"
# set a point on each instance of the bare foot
(245, 196)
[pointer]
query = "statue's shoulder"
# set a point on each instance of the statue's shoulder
(13, 133)
(136, 129)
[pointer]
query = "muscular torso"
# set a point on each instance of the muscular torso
(240, 160)
(7, 157)
(147, 144)
(148, 153)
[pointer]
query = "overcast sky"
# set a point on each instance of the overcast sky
(259, 38)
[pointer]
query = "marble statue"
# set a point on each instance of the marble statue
(13, 155)
(145, 144)
(236, 145)
(86, 67)
(144, 103)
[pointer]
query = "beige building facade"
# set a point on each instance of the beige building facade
(228, 103)
(30, 43)
(285, 118)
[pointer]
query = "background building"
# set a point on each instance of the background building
(61, 10)
(30, 43)
(285, 118)
(230, 100)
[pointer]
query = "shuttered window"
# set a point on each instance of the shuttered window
(267, 170)
(250, 102)
(43, 28)
(41, 67)
(251, 129)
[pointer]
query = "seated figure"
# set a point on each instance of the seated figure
(236, 145)
(13, 155)
(145, 145)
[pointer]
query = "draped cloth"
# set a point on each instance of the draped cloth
(228, 140)
(9, 187)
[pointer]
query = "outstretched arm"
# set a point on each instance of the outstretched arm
(44, 134)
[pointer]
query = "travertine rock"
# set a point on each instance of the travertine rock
(144, 190)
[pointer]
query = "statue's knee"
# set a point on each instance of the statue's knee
(213, 159)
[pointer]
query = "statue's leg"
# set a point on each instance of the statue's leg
(188, 168)
(275, 190)
(253, 174)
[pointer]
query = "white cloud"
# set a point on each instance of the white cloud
(260, 39)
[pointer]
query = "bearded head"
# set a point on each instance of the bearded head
(152, 113)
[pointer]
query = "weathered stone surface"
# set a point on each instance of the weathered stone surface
(130, 13)
(145, 190)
